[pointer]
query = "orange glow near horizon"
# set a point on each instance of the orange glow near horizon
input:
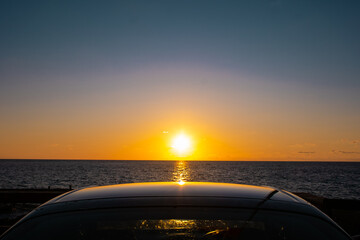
(242, 121)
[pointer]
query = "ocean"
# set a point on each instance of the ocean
(327, 179)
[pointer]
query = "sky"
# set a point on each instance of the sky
(242, 80)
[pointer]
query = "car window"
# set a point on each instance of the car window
(175, 223)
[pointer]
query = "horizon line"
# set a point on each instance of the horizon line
(176, 160)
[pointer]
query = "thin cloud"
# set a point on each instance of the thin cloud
(306, 152)
(350, 141)
(344, 152)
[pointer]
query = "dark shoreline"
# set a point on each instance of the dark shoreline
(15, 203)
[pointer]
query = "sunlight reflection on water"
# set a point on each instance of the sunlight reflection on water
(181, 172)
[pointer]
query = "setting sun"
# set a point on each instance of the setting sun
(181, 144)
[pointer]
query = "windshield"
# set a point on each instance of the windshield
(175, 223)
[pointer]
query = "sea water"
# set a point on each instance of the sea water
(328, 179)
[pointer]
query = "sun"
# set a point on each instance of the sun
(181, 144)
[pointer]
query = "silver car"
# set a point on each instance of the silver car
(176, 211)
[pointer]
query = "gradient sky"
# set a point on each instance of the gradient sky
(245, 80)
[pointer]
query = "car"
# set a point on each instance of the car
(176, 210)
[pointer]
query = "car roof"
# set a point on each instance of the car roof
(177, 189)
(155, 195)
(178, 194)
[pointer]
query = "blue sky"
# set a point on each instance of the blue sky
(283, 40)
